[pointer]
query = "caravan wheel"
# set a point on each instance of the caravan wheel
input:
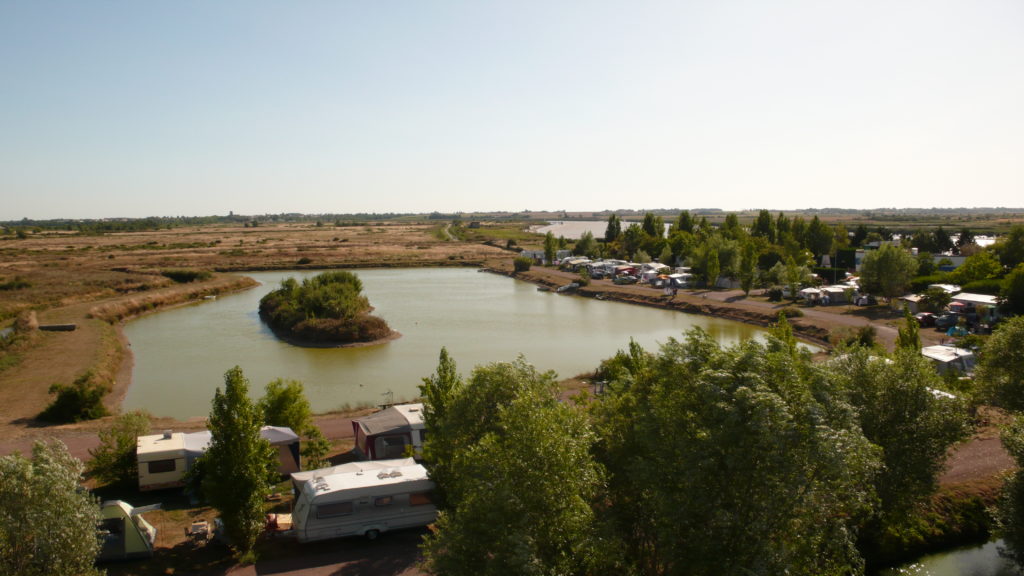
(372, 534)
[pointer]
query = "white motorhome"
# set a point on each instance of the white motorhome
(357, 501)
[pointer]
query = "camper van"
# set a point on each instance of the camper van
(363, 501)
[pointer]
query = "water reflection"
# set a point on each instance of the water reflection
(971, 561)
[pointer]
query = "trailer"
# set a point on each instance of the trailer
(390, 433)
(358, 501)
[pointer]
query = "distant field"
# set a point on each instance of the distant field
(55, 268)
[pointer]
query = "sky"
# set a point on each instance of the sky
(117, 108)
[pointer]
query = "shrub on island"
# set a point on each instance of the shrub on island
(327, 308)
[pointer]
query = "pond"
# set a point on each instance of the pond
(981, 560)
(181, 355)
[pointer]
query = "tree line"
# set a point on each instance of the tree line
(783, 250)
(703, 459)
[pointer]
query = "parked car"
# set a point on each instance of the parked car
(925, 319)
(866, 300)
(946, 321)
(625, 279)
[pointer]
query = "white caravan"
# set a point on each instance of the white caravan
(364, 502)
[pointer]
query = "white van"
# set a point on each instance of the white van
(364, 502)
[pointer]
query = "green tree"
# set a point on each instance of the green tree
(900, 412)
(550, 246)
(239, 465)
(653, 225)
(586, 245)
(794, 276)
(666, 256)
(1012, 291)
(713, 268)
(613, 230)
(965, 239)
(887, 271)
(114, 461)
(942, 241)
(979, 266)
(1010, 248)
(908, 336)
(683, 223)
(1009, 512)
(523, 481)
(819, 237)
(1000, 369)
(683, 245)
(748, 271)
(935, 299)
(48, 521)
(731, 228)
(632, 239)
(284, 403)
(438, 392)
(763, 226)
(926, 264)
(860, 234)
(766, 471)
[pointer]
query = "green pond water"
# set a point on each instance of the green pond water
(181, 354)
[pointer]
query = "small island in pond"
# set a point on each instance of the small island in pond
(328, 309)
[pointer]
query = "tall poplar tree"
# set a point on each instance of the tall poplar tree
(239, 465)
(611, 233)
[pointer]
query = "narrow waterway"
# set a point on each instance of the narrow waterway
(181, 355)
(981, 560)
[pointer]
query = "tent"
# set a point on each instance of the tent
(125, 533)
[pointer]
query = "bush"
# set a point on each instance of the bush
(990, 286)
(522, 264)
(82, 400)
(774, 294)
(114, 460)
(792, 312)
(186, 276)
(329, 307)
(921, 283)
(864, 336)
(18, 283)
(303, 261)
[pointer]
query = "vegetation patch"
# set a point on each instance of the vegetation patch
(17, 283)
(186, 276)
(326, 309)
(81, 400)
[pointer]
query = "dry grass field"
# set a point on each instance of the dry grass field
(96, 281)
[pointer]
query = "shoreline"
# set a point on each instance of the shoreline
(814, 328)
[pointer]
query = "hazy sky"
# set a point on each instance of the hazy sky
(127, 108)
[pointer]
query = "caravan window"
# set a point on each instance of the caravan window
(382, 501)
(420, 499)
(393, 446)
(160, 466)
(334, 509)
